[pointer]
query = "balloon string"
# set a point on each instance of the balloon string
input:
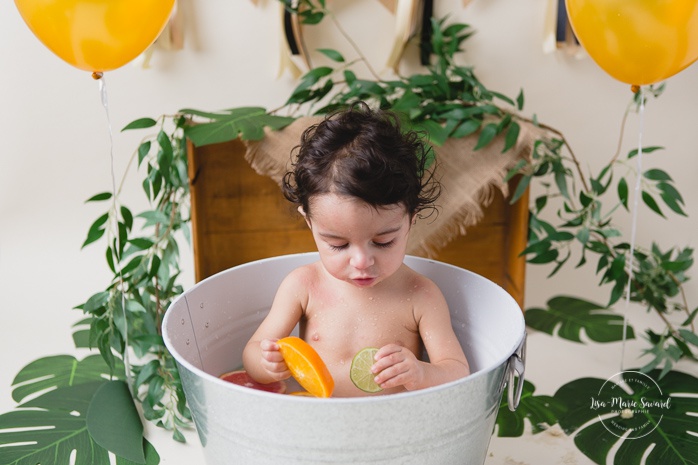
(105, 103)
(633, 229)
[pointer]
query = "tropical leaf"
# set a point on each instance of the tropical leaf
(541, 411)
(60, 371)
(48, 437)
(113, 421)
(247, 123)
(570, 315)
(73, 411)
(662, 433)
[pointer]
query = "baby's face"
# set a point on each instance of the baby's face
(358, 243)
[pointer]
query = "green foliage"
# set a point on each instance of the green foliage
(670, 442)
(247, 123)
(113, 421)
(570, 315)
(541, 412)
(446, 102)
(308, 11)
(583, 206)
(62, 402)
(61, 371)
(144, 260)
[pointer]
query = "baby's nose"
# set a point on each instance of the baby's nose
(361, 258)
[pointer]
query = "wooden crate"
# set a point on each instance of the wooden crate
(239, 216)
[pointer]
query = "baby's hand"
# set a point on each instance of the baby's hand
(273, 361)
(397, 366)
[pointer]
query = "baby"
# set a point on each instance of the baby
(360, 183)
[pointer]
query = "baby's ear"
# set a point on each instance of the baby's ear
(305, 216)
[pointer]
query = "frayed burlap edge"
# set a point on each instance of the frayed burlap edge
(468, 178)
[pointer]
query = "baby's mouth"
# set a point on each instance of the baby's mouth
(363, 282)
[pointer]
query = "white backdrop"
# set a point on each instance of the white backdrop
(55, 144)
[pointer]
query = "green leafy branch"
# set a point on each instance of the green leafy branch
(583, 209)
(446, 102)
(145, 268)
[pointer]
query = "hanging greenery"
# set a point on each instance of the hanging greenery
(142, 250)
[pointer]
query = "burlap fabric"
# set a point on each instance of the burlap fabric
(468, 178)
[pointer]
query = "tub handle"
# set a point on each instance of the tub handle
(516, 366)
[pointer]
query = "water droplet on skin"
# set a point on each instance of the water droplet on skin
(206, 324)
(370, 298)
(201, 305)
(187, 341)
(182, 320)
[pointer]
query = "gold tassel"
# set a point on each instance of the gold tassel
(172, 36)
(389, 5)
(407, 15)
(550, 28)
(297, 29)
(286, 61)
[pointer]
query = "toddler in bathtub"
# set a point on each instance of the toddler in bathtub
(360, 184)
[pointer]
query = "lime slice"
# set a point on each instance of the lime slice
(360, 372)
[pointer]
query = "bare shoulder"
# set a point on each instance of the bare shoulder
(426, 294)
(304, 273)
(301, 278)
(421, 285)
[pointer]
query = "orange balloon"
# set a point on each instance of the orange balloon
(96, 35)
(638, 42)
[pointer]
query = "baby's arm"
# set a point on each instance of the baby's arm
(261, 357)
(398, 366)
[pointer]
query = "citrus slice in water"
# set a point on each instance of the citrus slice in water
(360, 371)
(306, 366)
(241, 378)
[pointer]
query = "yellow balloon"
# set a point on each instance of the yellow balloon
(638, 42)
(96, 35)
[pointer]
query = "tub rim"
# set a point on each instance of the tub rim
(502, 361)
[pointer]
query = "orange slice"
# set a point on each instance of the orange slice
(306, 366)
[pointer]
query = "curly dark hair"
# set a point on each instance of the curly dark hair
(362, 153)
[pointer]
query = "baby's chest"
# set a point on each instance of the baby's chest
(346, 330)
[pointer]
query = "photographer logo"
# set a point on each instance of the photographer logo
(630, 404)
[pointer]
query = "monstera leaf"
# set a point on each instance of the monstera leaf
(541, 411)
(569, 315)
(60, 371)
(74, 410)
(649, 421)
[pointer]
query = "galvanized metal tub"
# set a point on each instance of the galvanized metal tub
(207, 327)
